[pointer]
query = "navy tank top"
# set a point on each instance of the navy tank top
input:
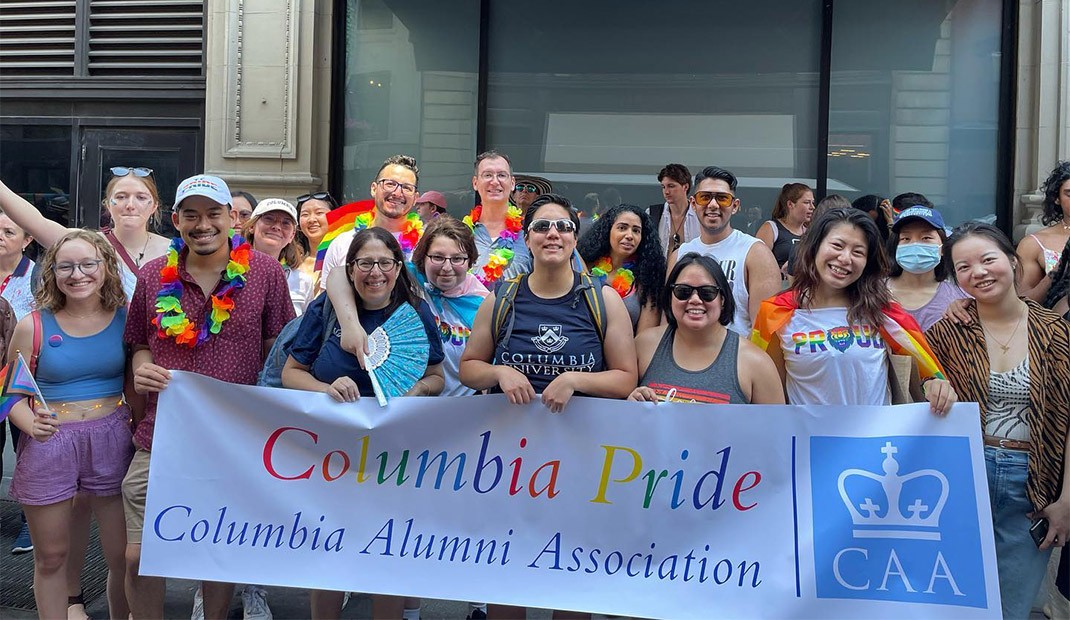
(550, 337)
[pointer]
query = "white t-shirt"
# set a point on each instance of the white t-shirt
(731, 254)
(336, 254)
(454, 337)
(832, 363)
(300, 284)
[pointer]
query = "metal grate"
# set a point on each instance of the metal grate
(156, 38)
(37, 37)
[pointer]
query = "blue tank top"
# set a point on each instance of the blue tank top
(550, 337)
(71, 368)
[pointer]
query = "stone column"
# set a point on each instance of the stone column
(268, 95)
(1042, 129)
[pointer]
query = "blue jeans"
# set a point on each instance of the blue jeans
(1021, 565)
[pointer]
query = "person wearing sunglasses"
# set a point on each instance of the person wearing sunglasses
(379, 284)
(312, 210)
(752, 272)
(551, 344)
(77, 441)
(527, 188)
(694, 358)
(131, 200)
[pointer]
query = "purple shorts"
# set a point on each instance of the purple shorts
(82, 457)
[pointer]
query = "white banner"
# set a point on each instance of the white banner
(668, 510)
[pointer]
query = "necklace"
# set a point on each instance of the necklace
(171, 321)
(1006, 346)
(623, 279)
(676, 231)
(82, 316)
(141, 254)
(500, 258)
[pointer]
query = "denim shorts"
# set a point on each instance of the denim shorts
(1020, 564)
(81, 457)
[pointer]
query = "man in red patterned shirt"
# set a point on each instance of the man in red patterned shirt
(261, 308)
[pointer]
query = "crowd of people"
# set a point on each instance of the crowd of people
(871, 303)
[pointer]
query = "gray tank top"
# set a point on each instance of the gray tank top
(718, 383)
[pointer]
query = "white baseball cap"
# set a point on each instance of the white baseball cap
(213, 188)
(275, 204)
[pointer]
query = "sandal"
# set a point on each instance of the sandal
(76, 607)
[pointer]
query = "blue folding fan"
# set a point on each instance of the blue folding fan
(397, 355)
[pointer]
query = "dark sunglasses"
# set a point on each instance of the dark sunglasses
(706, 293)
(316, 196)
(122, 171)
(723, 199)
(526, 187)
(543, 226)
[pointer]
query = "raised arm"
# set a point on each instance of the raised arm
(28, 218)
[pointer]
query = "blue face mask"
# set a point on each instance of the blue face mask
(918, 257)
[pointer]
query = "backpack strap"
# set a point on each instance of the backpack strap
(503, 306)
(656, 211)
(38, 330)
(596, 303)
(330, 320)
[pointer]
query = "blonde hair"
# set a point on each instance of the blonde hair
(112, 297)
(150, 185)
(292, 253)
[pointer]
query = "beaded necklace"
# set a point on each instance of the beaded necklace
(500, 258)
(171, 321)
(622, 280)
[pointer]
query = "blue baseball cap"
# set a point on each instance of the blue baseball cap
(931, 217)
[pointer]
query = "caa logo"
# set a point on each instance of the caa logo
(895, 518)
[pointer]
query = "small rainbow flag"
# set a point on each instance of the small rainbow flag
(16, 381)
(355, 215)
(6, 402)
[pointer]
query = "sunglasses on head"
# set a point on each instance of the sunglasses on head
(723, 199)
(706, 293)
(526, 187)
(563, 226)
(122, 171)
(316, 196)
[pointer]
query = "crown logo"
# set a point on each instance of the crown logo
(921, 518)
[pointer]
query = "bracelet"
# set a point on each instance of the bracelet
(421, 383)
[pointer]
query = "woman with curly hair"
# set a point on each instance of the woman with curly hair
(622, 248)
(1040, 250)
(79, 442)
(830, 333)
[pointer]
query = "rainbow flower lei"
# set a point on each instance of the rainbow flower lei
(411, 230)
(357, 216)
(623, 279)
(499, 258)
(172, 322)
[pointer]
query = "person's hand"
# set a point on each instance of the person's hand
(515, 385)
(344, 390)
(355, 342)
(149, 378)
(941, 396)
(558, 393)
(643, 394)
(45, 424)
(1058, 515)
(957, 311)
(889, 213)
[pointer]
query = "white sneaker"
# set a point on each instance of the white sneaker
(254, 603)
(198, 605)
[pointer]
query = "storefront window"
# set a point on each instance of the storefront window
(914, 102)
(599, 99)
(410, 87)
(41, 170)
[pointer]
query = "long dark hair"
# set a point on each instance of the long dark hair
(649, 261)
(988, 231)
(940, 273)
(728, 302)
(867, 296)
(1052, 211)
(405, 291)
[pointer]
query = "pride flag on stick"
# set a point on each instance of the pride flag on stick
(16, 380)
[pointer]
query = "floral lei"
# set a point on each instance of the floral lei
(623, 279)
(500, 258)
(172, 322)
(411, 230)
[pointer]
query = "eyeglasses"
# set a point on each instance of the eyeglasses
(122, 171)
(367, 264)
(456, 261)
(526, 187)
(723, 199)
(706, 293)
(325, 196)
(66, 270)
(490, 176)
(563, 226)
(390, 185)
